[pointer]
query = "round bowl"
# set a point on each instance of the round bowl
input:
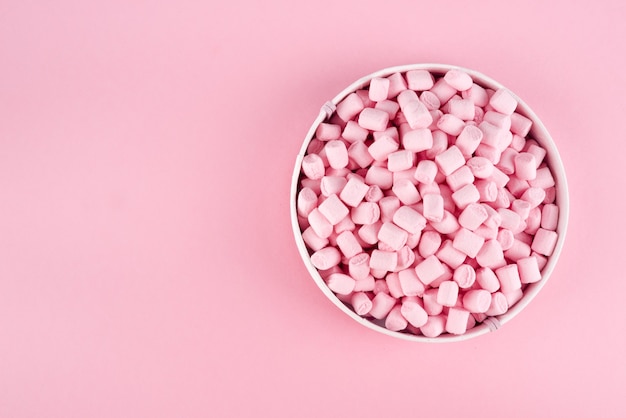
(537, 132)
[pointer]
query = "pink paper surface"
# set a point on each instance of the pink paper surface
(147, 263)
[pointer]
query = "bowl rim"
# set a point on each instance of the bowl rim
(537, 132)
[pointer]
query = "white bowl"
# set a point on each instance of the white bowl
(537, 132)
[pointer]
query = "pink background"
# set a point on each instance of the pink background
(147, 264)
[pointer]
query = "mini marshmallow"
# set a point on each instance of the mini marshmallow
(352, 132)
(366, 213)
(417, 114)
(459, 178)
(476, 94)
(450, 160)
(434, 327)
(448, 293)
(505, 238)
(450, 124)
(361, 303)
(373, 119)
(473, 216)
(520, 125)
(487, 190)
(313, 166)
(409, 283)
(400, 160)
(327, 131)
(464, 276)
(414, 313)
(379, 176)
(477, 301)
(368, 233)
(448, 224)
(544, 241)
(388, 207)
(429, 269)
(374, 194)
(383, 260)
(336, 153)
(406, 97)
(462, 109)
(382, 147)
(457, 320)
(396, 85)
(522, 208)
(426, 171)
(349, 107)
(379, 88)
(409, 219)
(406, 257)
(440, 144)
(358, 266)
(393, 284)
(503, 101)
(538, 152)
(431, 101)
(417, 140)
(534, 196)
(507, 161)
(395, 321)
(549, 217)
(518, 250)
(332, 185)
(480, 167)
(525, 166)
(543, 180)
(353, 192)
(509, 278)
(433, 207)
(498, 306)
(469, 139)
(491, 255)
(333, 209)
(529, 271)
(430, 242)
(450, 255)
(458, 79)
(487, 279)
(443, 90)
(498, 119)
(348, 244)
(419, 80)
(406, 191)
(359, 154)
(319, 223)
(312, 240)
(390, 107)
(306, 201)
(382, 304)
(468, 242)
(466, 195)
(341, 284)
(326, 258)
(392, 235)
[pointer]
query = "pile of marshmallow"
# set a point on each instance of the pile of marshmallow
(424, 203)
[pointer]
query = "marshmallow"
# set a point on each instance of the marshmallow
(388, 207)
(434, 326)
(409, 283)
(348, 244)
(462, 109)
(450, 255)
(373, 119)
(414, 313)
(392, 235)
(341, 284)
(359, 266)
(499, 304)
(525, 166)
(382, 304)
(431, 101)
(466, 195)
(396, 85)
(447, 225)
(458, 79)
(459, 178)
(468, 242)
(430, 242)
(406, 191)
(417, 114)
(520, 125)
(409, 219)
(333, 209)
(306, 201)
(379, 88)
(473, 216)
(549, 217)
(320, 224)
(353, 192)
(406, 257)
(349, 107)
(359, 154)
(450, 124)
(443, 90)
(332, 185)
(417, 140)
(448, 293)
(327, 131)
(313, 166)
(528, 268)
(433, 207)
(477, 301)
(383, 260)
(491, 254)
(544, 241)
(361, 303)
(487, 190)
(464, 276)
(509, 278)
(457, 320)
(429, 269)
(503, 101)
(366, 213)
(395, 321)
(450, 160)
(390, 107)
(487, 279)
(312, 240)
(419, 80)
(426, 171)
(400, 160)
(393, 284)
(379, 176)
(352, 132)
(476, 94)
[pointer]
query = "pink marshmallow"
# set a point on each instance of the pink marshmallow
(447, 225)
(477, 301)
(327, 131)
(528, 268)
(414, 313)
(509, 278)
(395, 321)
(476, 94)
(433, 207)
(341, 284)
(434, 327)
(443, 90)
(390, 107)
(312, 240)
(450, 255)
(352, 132)
(429, 269)
(458, 79)
(379, 176)
(462, 109)
(466, 195)
(503, 101)
(361, 303)
(382, 147)
(544, 242)
(388, 207)
(450, 124)
(333, 209)
(359, 154)
(520, 125)
(353, 192)
(419, 80)
(549, 217)
(392, 235)
(373, 119)
(410, 284)
(382, 304)
(487, 190)
(326, 258)
(473, 216)
(349, 107)
(448, 293)
(396, 85)
(406, 191)
(464, 276)
(450, 160)
(426, 171)
(525, 166)
(306, 201)
(417, 114)
(430, 242)
(358, 266)
(487, 279)
(409, 219)
(313, 166)
(459, 178)
(431, 101)
(491, 255)
(498, 306)
(468, 242)
(457, 320)
(400, 160)
(383, 260)
(379, 88)
(319, 223)
(348, 244)
(417, 140)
